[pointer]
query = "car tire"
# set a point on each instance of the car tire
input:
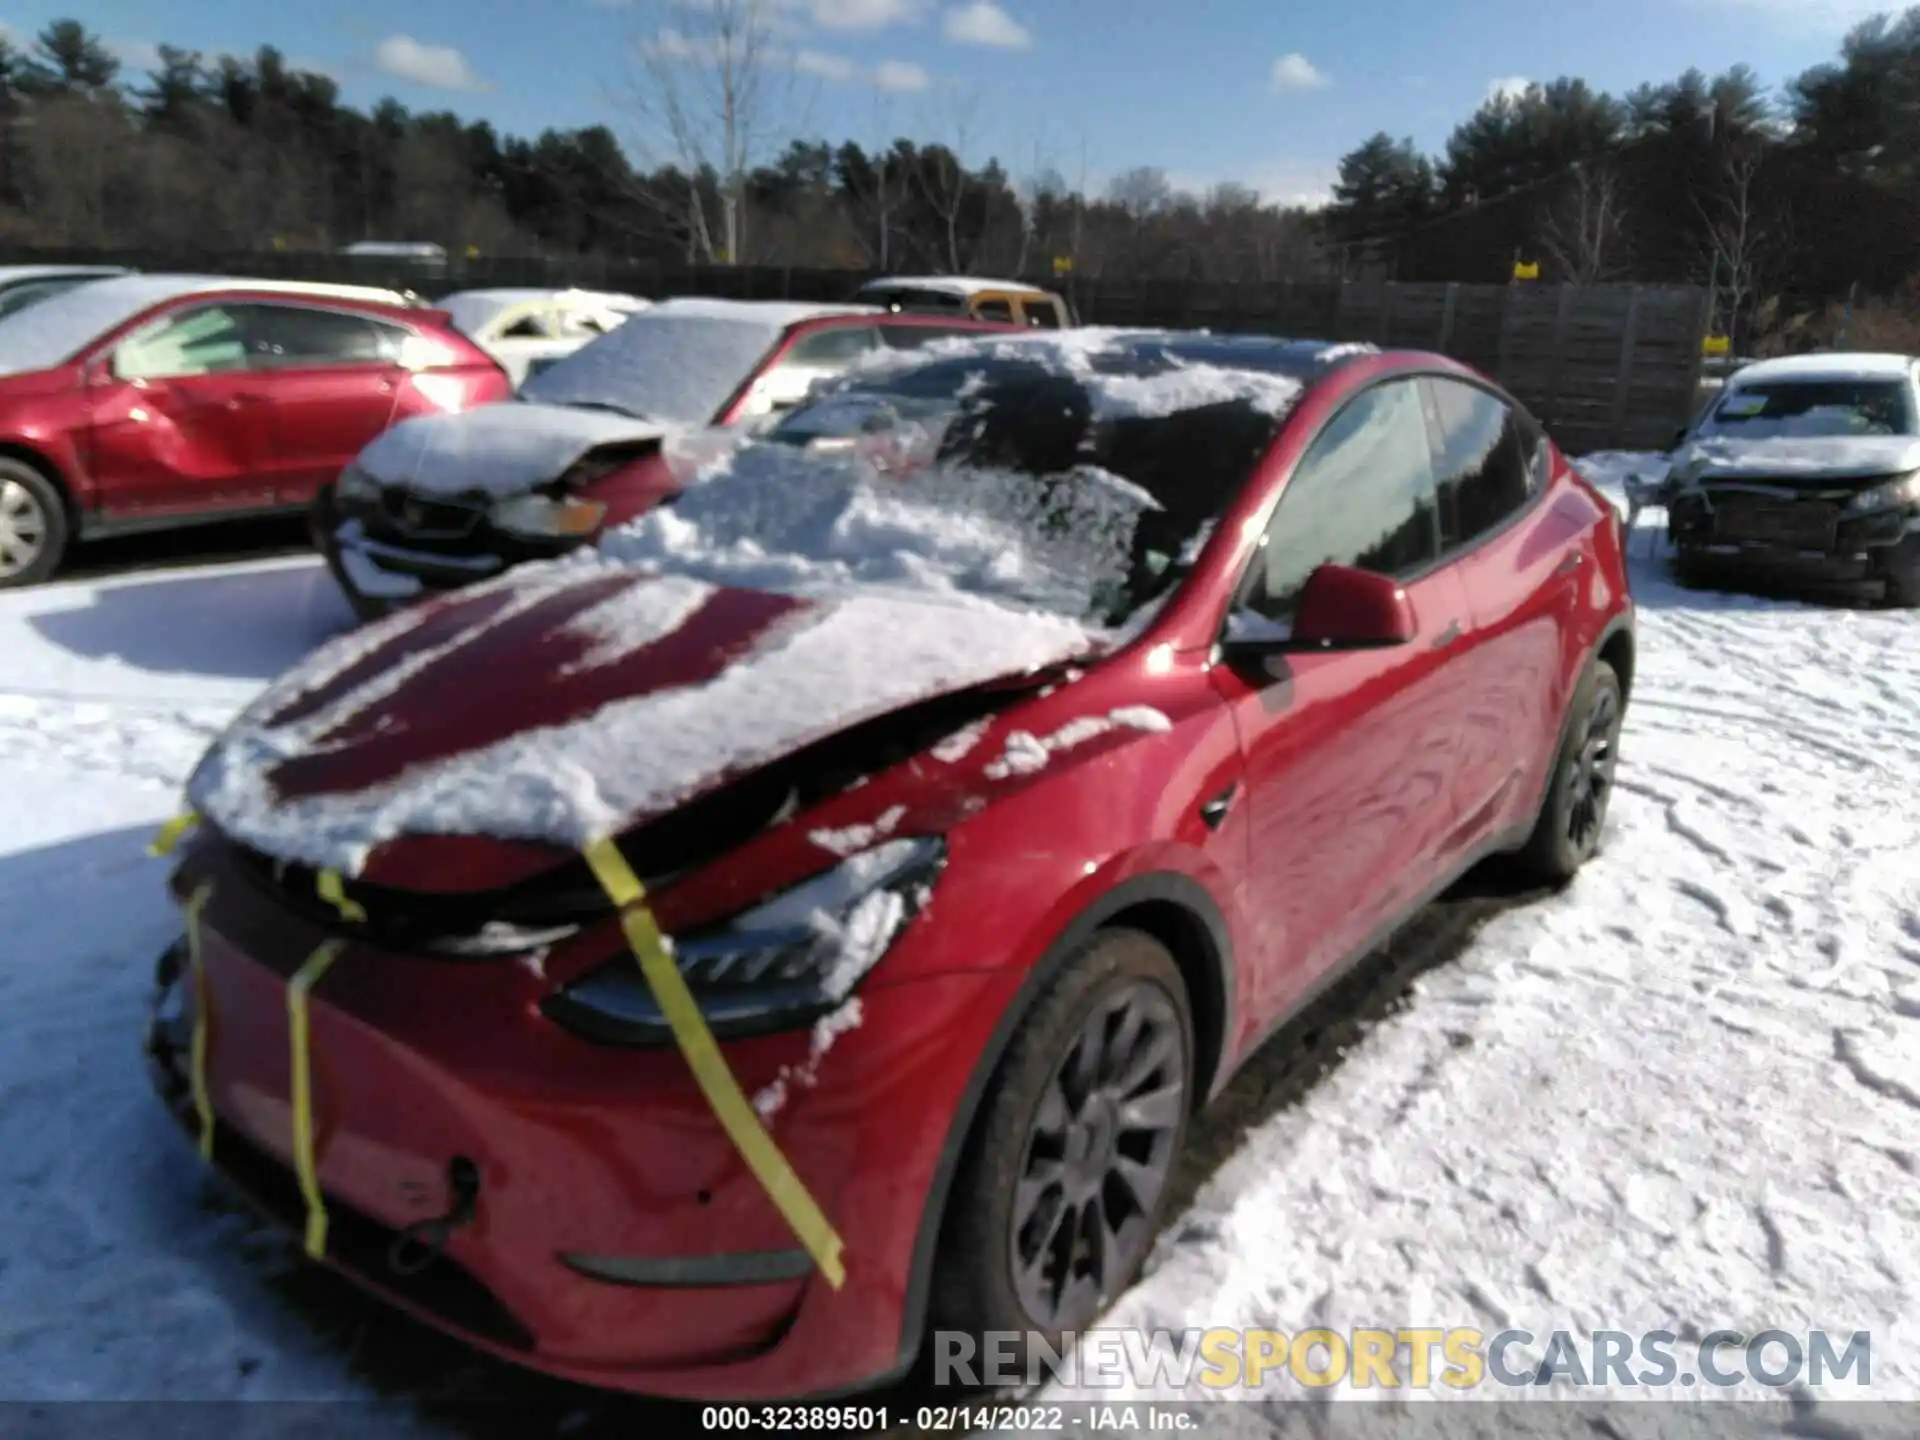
(1689, 571)
(1902, 581)
(34, 530)
(1062, 1106)
(1573, 815)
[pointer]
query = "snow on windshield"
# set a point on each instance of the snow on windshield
(776, 517)
(661, 365)
(1057, 476)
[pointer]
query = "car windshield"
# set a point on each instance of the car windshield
(664, 364)
(1813, 410)
(1077, 477)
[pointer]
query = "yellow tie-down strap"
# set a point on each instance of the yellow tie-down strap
(730, 1105)
(300, 1063)
(301, 1093)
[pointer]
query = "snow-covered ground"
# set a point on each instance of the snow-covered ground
(1684, 1095)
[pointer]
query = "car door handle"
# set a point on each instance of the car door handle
(1447, 636)
(240, 402)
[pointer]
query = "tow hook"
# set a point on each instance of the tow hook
(420, 1244)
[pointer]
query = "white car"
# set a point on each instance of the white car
(527, 330)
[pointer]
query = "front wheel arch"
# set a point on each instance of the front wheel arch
(1164, 897)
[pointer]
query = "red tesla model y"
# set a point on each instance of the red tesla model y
(1008, 740)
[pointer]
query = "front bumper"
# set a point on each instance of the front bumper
(617, 1238)
(382, 563)
(1813, 543)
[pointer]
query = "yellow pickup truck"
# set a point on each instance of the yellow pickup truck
(1003, 300)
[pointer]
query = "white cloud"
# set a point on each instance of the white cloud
(861, 14)
(985, 23)
(825, 66)
(901, 76)
(438, 67)
(1509, 87)
(1296, 72)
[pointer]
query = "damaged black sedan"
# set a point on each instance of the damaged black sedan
(1805, 471)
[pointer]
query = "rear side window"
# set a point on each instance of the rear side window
(994, 309)
(1363, 495)
(1042, 314)
(912, 337)
(288, 336)
(839, 346)
(1486, 472)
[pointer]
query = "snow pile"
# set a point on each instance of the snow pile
(773, 517)
(830, 665)
(504, 449)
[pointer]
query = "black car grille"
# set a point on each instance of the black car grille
(415, 517)
(1745, 517)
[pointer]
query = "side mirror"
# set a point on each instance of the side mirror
(1679, 438)
(1340, 608)
(101, 370)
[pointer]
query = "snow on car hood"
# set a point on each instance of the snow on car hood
(503, 449)
(576, 699)
(1843, 457)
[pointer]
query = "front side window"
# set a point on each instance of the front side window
(208, 340)
(1485, 470)
(1042, 314)
(297, 336)
(1362, 496)
(994, 309)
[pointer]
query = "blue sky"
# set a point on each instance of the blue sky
(1267, 92)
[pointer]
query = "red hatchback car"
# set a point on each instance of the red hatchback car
(445, 501)
(1009, 740)
(150, 401)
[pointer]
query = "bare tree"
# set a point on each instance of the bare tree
(877, 202)
(707, 88)
(1585, 233)
(1736, 241)
(944, 179)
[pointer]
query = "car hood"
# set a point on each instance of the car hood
(1847, 457)
(503, 449)
(578, 699)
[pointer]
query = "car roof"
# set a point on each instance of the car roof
(757, 312)
(51, 331)
(21, 274)
(965, 286)
(1122, 350)
(1840, 365)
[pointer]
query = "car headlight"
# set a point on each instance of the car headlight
(548, 517)
(355, 484)
(1904, 491)
(776, 967)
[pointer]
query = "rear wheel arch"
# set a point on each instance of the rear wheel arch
(1173, 909)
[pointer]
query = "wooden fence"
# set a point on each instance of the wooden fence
(1603, 366)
